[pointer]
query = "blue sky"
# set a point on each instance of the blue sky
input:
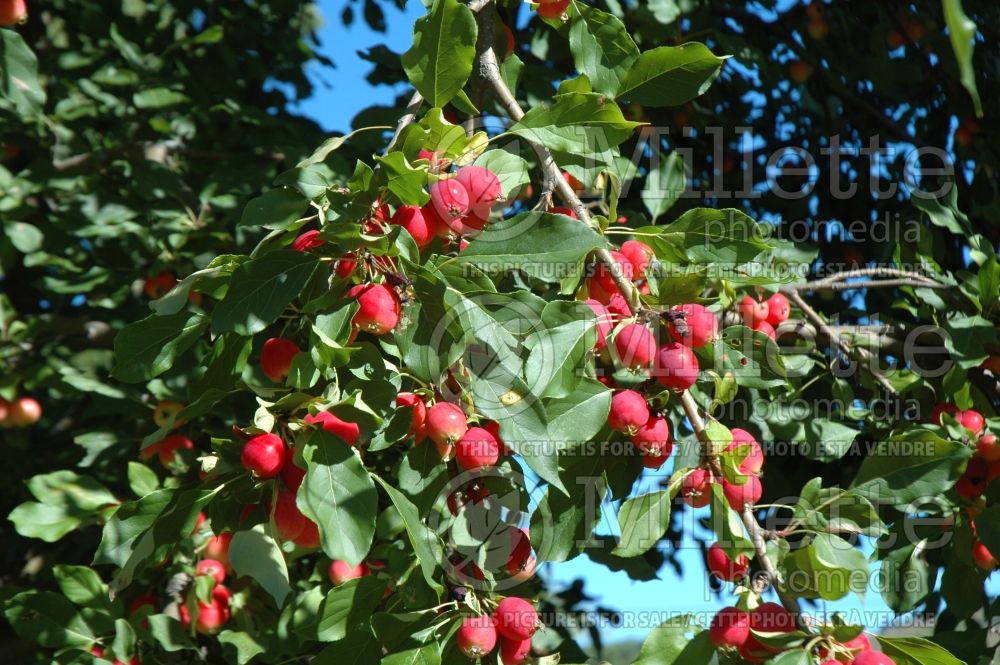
(340, 93)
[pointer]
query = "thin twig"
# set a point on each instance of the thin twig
(893, 277)
(408, 116)
(861, 354)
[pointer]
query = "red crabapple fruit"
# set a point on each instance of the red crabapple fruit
(482, 187)
(341, 571)
(213, 568)
(653, 438)
(742, 495)
(639, 254)
(348, 431)
(412, 219)
(516, 618)
(605, 323)
(972, 420)
(276, 358)
(753, 311)
(635, 347)
(700, 325)
(696, 488)
(24, 412)
(628, 412)
(870, 657)
(983, 557)
(307, 241)
(264, 455)
(553, 10)
(477, 636)
(477, 449)
(676, 366)
(754, 461)
(730, 628)
(379, 308)
(514, 652)
(418, 430)
(778, 309)
(446, 423)
(449, 199)
(725, 568)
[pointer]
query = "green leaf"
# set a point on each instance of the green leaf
(424, 542)
(577, 123)
(339, 496)
(82, 586)
(124, 642)
(129, 522)
(444, 46)
(664, 184)
(916, 651)
(142, 479)
(48, 523)
(988, 528)
(48, 619)
(906, 578)
(828, 568)
(260, 289)
(679, 641)
(169, 633)
(910, 466)
(670, 75)
(358, 648)
(275, 209)
(511, 169)
(347, 606)
(643, 521)
(158, 98)
(19, 75)
(429, 654)
(540, 244)
(147, 348)
(245, 646)
(962, 33)
(333, 143)
(602, 48)
(404, 180)
(256, 554)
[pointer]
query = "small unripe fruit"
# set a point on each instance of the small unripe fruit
(477, 636)
(753, 311)
(754, 461)
(676, 367)
(972, 420)
(983, 557)
(873, 658)
(477, 449)
(514, 652)
(483, 188)
(307, 241)
(700, 325)
(696, 488)
(635, 347)
(653, 438)
(379, 308)
(449, 199)
(341, 571)
(446, 423)
(166, 412)
(722, 566)
(742, 495)
(778, 309)
(640, 255)
(276, 358)
(348, 431)
(12, 12)
(418, 430)
(264, 455)
(516, 618)
(988, 448)
(217, 548)
(24, 412)
(213, 568)
(767, 329)
(730, 628)
(288, 519)
(412, 219)
(628, 412)
(167, 449)
(553, 10)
